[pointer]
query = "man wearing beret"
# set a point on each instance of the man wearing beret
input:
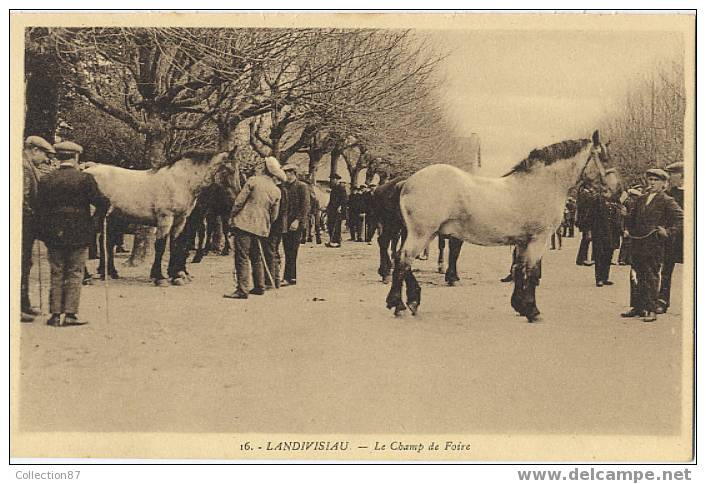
(65, 199)
(674, 247)
(254, 210)
(299, 199)
(655, 217)
(36, 152)
(336, 211)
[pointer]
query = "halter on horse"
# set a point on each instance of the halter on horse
(521, 208)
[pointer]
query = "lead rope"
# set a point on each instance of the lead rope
(634, 237)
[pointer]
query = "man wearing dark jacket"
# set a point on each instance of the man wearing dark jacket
(655, 218)
(604, 224)
(674, 248)
(299, 199)
(36, 151)
(336, 211)
(583, 201)
(65, 197)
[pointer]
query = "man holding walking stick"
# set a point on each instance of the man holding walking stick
(36, 151)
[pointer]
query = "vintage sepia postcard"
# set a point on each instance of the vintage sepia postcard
(352, 236)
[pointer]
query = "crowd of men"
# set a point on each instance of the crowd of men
(275, 208)
(646, 224)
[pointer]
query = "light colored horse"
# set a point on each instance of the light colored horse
(522, 208)
(161, 198)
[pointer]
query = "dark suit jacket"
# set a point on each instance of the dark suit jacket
(338, 199)
(30, 183)
(663, 211)
(674, 249)
(604, 221)
(298, 204)
(64, 202)
(280, 225)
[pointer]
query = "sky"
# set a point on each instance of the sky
(521, 90)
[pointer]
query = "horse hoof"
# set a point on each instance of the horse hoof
(178, 281)
(533, 318)
(451, 283)
(196, 260)
(413, 307)
(185, 276)
(161, 282)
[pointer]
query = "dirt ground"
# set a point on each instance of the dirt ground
(325, 356)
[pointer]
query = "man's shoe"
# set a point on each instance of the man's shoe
(507, 278)
(72, 320)
(26, 318)
(588, 262)
(55, 320)
(32, 311)
(599, 283)
(650, 317)
(236, 295)
(292, 282)
(633, 313)
(608, 283)
(258, 291)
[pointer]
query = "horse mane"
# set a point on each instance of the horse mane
(198, 157)
(548, 155)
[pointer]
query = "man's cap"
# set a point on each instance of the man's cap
(289, 167)
(68, 147)
(274, 169)
(39, 142)
(677, 167)
(657, 172)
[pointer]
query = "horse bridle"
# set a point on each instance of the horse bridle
(596, 151)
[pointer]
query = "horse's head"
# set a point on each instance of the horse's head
(594, 171)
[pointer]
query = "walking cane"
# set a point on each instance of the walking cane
(264, 263)
(39, 270)
(105, 264)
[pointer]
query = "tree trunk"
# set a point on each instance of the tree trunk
(41, 96)
(314, 159)
(142, 245)
(155, 154)
(335, 155)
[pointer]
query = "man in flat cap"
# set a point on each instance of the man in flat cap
(674, 247)
(65, 197)
(37, 151)
(254, 210)
(655, 218)
(299, 200)
(336, 210)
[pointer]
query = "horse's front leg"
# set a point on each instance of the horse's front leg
(385, 263)
(177, 256)
(454, 251)
(164, 225)
(526, 273)
(440, 260)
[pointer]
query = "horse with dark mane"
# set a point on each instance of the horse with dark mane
(162, 198)
(522, 208)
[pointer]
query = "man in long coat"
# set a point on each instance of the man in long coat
(336, 211)
(254, 210)
(65, 197)
(656, 217)
(36, 152)
(299, 199)
(674, 247)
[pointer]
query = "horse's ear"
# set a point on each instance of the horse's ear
(596, 138)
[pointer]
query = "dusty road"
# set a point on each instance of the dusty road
(326, 357)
